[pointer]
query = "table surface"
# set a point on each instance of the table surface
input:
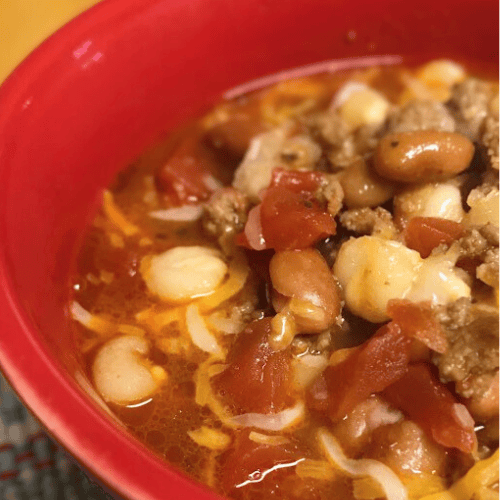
(24, 24)
(33, 466)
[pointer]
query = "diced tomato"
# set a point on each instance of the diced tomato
(291, 221)
(431, 405)
(378, 363)
(183, 176)
(426, 233)
(257, 379)
(251, 462)
(290, 217)
(417, 320)
(296, 180)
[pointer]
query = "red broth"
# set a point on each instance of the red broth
(255, 327)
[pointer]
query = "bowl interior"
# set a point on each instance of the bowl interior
(100, 91)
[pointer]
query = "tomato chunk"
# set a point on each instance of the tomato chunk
(257, 379)
(426, 233)
(289, 217)
(296, 180)
(378, 363)
(292, 221)
(183, 177)
(431, 405)
(417, 320)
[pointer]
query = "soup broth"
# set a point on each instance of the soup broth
(296, 295)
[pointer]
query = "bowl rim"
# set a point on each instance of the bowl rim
(144, 474)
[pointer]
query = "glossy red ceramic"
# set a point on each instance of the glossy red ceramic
(100, 91)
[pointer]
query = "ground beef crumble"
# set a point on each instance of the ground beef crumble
(490, 141)
(368, 221)
(330, 192)
(422, 115)
(469, 104)
(487, 272)
(472, 358)
(455, 314)
(481, 243)
(225, 213)
(343, 146)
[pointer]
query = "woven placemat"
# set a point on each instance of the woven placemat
(32, 465)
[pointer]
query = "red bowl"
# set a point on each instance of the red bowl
(101, 90)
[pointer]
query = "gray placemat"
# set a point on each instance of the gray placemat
(33, 466)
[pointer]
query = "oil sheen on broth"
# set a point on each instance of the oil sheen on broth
(296, 296)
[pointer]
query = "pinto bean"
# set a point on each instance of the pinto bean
(363, 187)
(422, 156)
(304, 278)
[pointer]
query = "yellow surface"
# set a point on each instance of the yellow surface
(24, 24)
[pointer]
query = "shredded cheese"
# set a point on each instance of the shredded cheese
(227, 325)
(91, 321)
(273, 422)
(390, 483)
(204, 395)
(486, 494)
(210, 438)
(157, 320)
(200, 334)
(422, 484)
(116, 240)
(130, 330)
(257, 437)
(415, 89)
(480, 477)
(238, 274)
(283, 330)
(316, 469)
(106, 276)
(366, 488)
(116, 216)
(100, 325)
(211, 469)
(273, 109)
(417, 485)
